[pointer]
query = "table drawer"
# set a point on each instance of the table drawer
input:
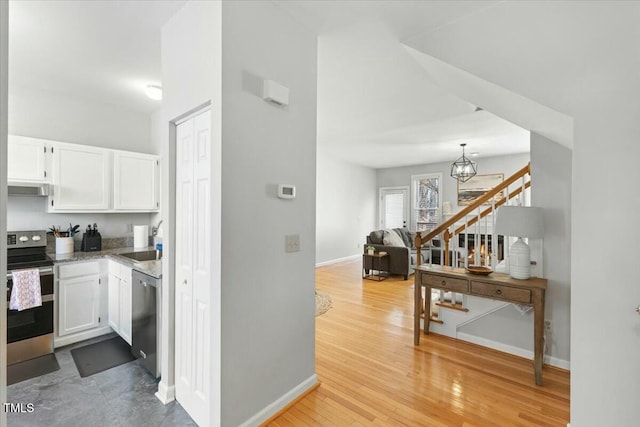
(448, 283)
(501, 292)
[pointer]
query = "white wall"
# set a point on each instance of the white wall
(401, 176)
(30, 213)
(583, 62)
(346, 201)
(49, 115)
(551, 190)
(191, 77)
(268, 324)
(157, 130)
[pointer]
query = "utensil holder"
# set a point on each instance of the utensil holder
(64, 245)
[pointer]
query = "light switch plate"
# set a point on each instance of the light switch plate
(292, 243)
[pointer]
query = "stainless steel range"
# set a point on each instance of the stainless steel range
(29, 332)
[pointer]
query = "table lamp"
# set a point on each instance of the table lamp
(519, 221)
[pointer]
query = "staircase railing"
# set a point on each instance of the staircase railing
(447, 230)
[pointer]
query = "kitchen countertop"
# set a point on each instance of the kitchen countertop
(152, 268)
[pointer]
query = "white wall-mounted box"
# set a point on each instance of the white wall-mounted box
(275, 93)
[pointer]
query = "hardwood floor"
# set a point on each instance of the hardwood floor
(371, 373)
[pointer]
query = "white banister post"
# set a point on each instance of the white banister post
(466, 241)
(477, 239)
(494, 236)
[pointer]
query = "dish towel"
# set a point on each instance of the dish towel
(26, 292)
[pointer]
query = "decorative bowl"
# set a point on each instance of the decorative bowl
(479, 270)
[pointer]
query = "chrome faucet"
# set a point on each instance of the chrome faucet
(154, 230)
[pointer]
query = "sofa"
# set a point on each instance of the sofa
(398, 243)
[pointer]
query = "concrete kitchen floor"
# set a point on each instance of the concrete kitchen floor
(120, 396)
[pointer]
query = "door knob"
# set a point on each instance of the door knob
(638, 309)
(185, 281)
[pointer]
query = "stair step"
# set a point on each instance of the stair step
(458, 307)
(436, 320)
(433, 319)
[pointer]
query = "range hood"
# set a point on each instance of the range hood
(17, 188)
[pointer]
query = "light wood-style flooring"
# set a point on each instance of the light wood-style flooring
(371, 374)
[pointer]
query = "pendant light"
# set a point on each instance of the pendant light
(463, 168)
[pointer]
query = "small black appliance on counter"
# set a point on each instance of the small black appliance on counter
(91, 239)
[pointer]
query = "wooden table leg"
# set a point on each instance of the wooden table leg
(538, 333)
(417, 297)
(427, 309)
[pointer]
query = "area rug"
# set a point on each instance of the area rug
(28, 369)
(323, 303)
(101, 356)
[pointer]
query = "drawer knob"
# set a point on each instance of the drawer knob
(498, 291)
(444, 283)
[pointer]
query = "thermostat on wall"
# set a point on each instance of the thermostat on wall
(286, 191)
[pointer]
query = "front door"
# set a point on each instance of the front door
(394, 207)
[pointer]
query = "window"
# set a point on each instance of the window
(425, 201)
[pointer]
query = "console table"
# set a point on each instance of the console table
(496, 286)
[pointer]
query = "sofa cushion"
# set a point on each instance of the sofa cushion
(376, 237)
(391, 238)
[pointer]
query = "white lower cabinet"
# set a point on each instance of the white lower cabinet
(80, 302)
(120, 299)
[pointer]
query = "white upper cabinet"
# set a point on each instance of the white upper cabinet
(81, 178)
(86, 178)
(135, 183)
(26, 159)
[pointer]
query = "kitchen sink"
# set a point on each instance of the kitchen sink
(140, 256)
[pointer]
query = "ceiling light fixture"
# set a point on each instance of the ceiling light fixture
(154, 92)
(463, 169)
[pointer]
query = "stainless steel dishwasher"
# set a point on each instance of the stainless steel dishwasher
(146, 320)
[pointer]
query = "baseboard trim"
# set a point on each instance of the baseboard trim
(290, 398)
(338, 260)
(166, 393)
(516, 351)
(80, 336)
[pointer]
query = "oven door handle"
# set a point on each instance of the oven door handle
(43, 271)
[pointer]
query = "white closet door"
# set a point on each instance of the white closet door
(202, 257)
(193, 275)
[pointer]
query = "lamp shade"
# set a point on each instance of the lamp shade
(519, 221)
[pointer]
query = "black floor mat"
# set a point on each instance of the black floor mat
(101, 356)
(28, 369)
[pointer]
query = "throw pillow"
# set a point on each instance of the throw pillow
(406, 237)
(376, 237)
(391, 238)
